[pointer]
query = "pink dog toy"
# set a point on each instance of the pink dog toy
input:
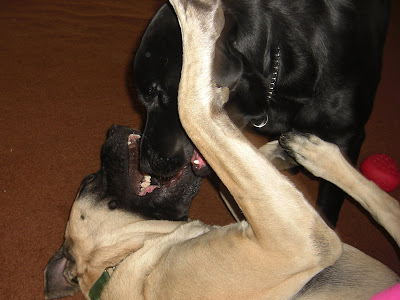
(383, 170)
(392, 293)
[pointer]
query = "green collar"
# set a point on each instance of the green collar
(99, 285)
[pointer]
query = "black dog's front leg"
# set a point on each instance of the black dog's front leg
(329, 202)
(330, 197)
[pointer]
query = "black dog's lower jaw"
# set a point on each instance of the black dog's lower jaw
(130, 189)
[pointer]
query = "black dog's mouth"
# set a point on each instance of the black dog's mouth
(144, 184)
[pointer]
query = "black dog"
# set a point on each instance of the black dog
(308, 65)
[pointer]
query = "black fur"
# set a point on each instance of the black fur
(331, 56)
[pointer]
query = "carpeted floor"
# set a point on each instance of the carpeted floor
(63, 68)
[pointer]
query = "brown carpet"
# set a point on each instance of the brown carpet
(63, 83)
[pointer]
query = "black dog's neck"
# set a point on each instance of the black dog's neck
(272, 83)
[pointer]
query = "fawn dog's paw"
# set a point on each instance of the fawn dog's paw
(316, 155)
(205, 16)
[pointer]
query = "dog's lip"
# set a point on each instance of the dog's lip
(198, 162)
(144, 184)
(165, 184)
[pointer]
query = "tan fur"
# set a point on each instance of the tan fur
(277, 156)
(273, 255)
(325, 160)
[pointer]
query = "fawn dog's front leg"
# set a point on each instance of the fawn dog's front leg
(281, 221)
(326, 161)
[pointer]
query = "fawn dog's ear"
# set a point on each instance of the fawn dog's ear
(56, 285)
